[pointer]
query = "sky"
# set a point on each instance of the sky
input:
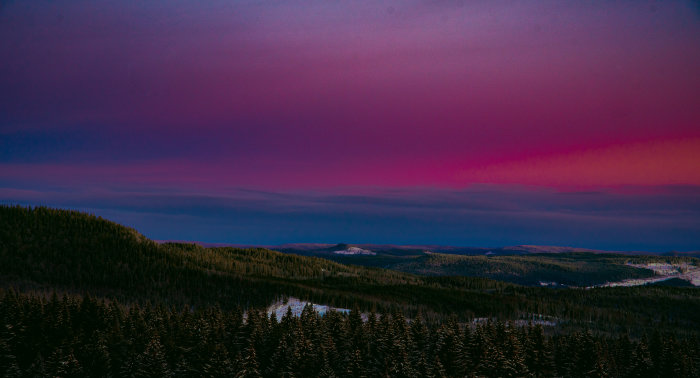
(471, 123)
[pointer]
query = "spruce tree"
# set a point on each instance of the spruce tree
(152, 362)
(37, 368)
(8, 360)
(249, 368)
(437, 370)
(219, 364)
(493, 362)
(449, 348)
(356, 367)
(326, 369)
(63, 363)
(283, 362)
(537, 354)
(643, 366)
(96, 357)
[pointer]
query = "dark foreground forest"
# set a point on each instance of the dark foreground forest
(69, 337)
(83, 296)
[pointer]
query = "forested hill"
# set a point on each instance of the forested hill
(524, 265)
(570, 269)
(51, 249)
(42, 250)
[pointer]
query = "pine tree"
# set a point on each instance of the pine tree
(183, 369)
(493, 362)
(586, 354)
(602, 369)
(477, 347)
(437, 370)
(282, 363)
(12, 370)
(623, 353)
(249, 368)
(643, 365)
(307, 361)
(129, 367)
(64, 364)
(355, 320)
(37, 368)
(514, 364)
(152, 363)
(97, 359)
(449, 348)
(418, 336)
(326, 370)
(537, 355)
(355, 367)
(219, 365)
(8, 361)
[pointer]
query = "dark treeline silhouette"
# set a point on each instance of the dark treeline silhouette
(74, 337)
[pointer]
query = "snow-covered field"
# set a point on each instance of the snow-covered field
(534, 319)
(663, 272)
(279, 309)
(355, 251)
(664, 269)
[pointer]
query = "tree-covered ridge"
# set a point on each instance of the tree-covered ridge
(561, 268)
(570, 269)
(73, 251)
(76, 337)
(42, 250)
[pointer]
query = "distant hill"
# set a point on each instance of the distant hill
(531, 265)
(412, 249)
(45, 249)
(546, 269)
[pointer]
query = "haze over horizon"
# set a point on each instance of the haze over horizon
(415, 122)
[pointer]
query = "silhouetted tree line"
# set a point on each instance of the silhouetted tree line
(81, 337)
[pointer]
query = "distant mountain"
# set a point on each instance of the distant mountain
(525, 249)
(308, 249)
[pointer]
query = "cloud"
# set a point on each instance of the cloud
(641, 163)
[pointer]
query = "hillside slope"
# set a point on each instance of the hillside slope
(42, 250)
(47, 249)
(569, 269)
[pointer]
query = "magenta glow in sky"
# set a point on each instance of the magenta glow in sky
(361, 98)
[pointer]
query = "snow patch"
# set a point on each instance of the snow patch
(279, 308)
(534, 319)
(662, 272)
(355, 251)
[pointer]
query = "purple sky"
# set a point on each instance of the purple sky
(446, 122)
